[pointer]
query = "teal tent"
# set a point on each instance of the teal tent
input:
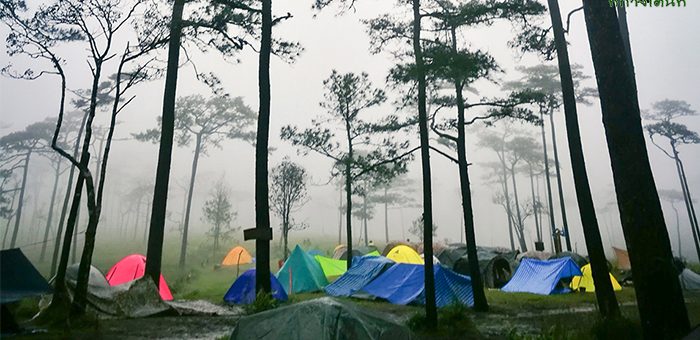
(303, 271)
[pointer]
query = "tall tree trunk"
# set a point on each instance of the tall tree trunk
(480, 303)
(678, 229)
(137, 218)
(509, 212)
(688, 202)
(662, 309)
(74, 243)
(60, 298)
(560, 188)
(607, 302)
(521, 223)
(18, 214)
(262, 205)
(534, 205)
(430, 304)
(188, 209)
(552, 223)
(340, 215)
(285, 235)
(690, 197)
(7, 229)
(364, 217)
(49, 217)
(539, 207)
(69, 185)
(154, 253)
(148, 218)
(348, 208)
(386, 216)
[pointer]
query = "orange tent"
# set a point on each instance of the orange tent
(237, 255)
(623, 259)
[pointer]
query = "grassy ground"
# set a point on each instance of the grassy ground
(512, 315)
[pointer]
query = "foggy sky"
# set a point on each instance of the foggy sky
(665, 52)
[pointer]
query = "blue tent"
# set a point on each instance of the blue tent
(304, 272)
(542, 277)
(242, 291)
(364, 269)
(404, 283)
(314, 252)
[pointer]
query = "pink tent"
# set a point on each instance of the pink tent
(131, 268)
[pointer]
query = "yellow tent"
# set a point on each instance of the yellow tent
(586, 281)
(404, 254)
(237, 255)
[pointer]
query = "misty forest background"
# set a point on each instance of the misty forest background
(211, 197)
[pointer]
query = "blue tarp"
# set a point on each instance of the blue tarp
(542, 277)
(242, 291)
(405, 283)
(363, 271)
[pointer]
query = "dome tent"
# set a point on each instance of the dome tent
(131, 268)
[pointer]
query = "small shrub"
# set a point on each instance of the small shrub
(263, 301)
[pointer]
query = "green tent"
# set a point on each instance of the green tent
(332, 268)
(373, 253)
(303, 271)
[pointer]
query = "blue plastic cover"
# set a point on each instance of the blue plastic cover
(364, 269)
(242, 291)
(450, 287)
(400, 284)
(404, 283)
(542, 277)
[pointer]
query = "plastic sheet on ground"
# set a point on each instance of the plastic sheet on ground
(320, 319)
(139, 298)
(362, 272)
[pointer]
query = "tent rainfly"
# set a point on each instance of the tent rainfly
(585, 281)
(237, 255)
(19, 279)
(131, 268)
(332, 268)
(542, 277)
(303, 272)
(404, 254)
(242, 290)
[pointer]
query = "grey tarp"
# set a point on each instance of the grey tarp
(689, 280)
(495, 264)
(319, 319)
(580, 260)
(139, 298)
